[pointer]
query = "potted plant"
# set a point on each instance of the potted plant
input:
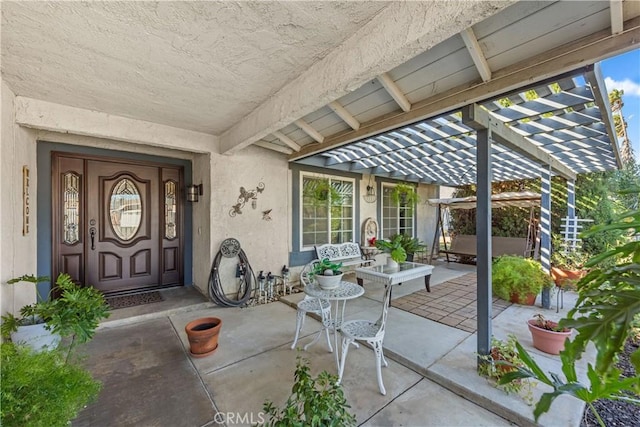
(313, 401)
(547, 335)
(320, 191)
(327, 274)
(568, 267)
(76, 313)
(203, 335)
(404, 195)
(393, 246)
(503, 359)
(410, 244)
(518, 279)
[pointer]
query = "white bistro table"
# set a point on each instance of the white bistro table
(388, 276)
(342, 293)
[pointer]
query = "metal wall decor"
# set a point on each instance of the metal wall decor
(245, 196)
(266, 215)
(370, 195)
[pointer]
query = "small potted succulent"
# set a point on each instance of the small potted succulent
(327, 274)
(547, 335)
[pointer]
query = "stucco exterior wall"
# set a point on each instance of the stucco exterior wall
(17, 251)
(265, 242)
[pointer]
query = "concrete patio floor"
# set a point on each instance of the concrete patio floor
(149, 379)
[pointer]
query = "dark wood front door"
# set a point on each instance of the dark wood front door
(119, 223)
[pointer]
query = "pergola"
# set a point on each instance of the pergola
(559, 127)
(563, 123)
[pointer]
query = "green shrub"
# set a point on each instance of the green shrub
(313, 401)
(517, 275)
(605, 315)
(40, 389)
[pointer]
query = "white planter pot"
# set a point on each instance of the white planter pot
(329, 282)
(392, 264)
(37, 337)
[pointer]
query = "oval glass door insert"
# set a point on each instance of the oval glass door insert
(126, 209)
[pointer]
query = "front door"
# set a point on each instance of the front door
(119, 223)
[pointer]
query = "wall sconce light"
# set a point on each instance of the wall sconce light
(193, 191)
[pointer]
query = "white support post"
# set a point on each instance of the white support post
(545, 229)
(571, 199)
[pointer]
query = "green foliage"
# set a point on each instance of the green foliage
(40, 389)
(567, 259)
(505, 222)
(313, 401)
(393, 247)
(504, 358)
(605, 314)
(76, 313)
(410, 244)
(594, 200)
(513, 274)
(321, 191)
(404, 195)
(321, 267)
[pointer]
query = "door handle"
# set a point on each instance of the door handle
(92, 233)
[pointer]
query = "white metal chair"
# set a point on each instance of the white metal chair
(311, 305)
(370, 331)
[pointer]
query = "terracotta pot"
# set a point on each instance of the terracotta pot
(529, 299)
(563, 277)
(548, 341)
(203, 335)
(497, 356)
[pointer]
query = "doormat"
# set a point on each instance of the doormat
(133, 300)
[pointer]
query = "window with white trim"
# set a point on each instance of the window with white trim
(395, 218)
(327, 214)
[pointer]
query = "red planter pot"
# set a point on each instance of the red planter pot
(528, 299)
(548, 341)
(203, 335)
(563, 277)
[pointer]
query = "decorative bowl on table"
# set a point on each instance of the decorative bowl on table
(329, 282)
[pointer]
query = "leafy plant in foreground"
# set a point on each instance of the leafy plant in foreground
(313, 401)
(607, 307)
(41, 389)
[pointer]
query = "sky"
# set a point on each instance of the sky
(623, 72)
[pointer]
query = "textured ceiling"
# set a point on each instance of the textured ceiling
(194, 65)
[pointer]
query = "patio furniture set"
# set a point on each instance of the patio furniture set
(330, 305)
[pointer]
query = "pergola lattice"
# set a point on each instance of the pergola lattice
(564, 123)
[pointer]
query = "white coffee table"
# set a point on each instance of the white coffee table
(387, 276)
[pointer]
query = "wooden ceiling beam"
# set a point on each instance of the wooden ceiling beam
(273, 147)
(617, 16)
(309, 130)
(392, 89)
(344, 115)
(286, 140)
(470, 40)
